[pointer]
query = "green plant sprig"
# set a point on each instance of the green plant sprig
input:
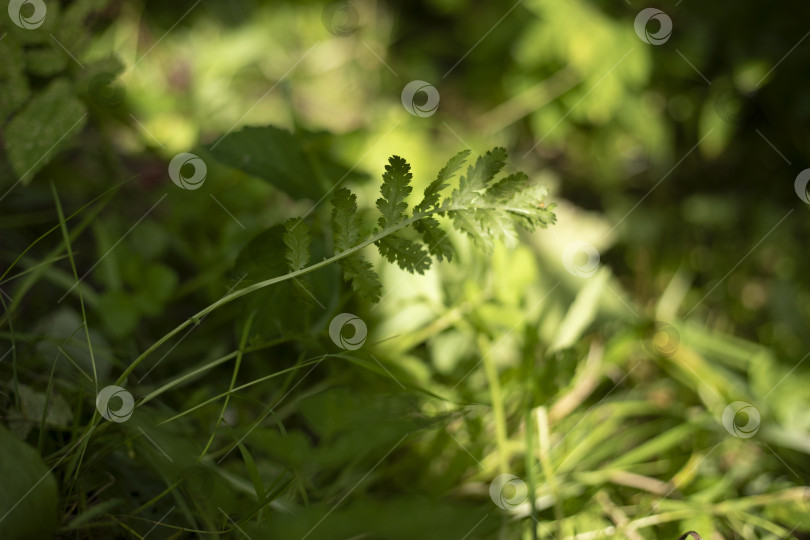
(486, 211)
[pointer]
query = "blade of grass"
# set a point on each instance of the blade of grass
(41, 438)
(13, 352)
(241, 351)
(69, 249)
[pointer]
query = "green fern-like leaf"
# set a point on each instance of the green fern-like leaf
(345, 222)
(436, 239)
(487, 212)
(433, 191)
(471, 185)
(395, 188)
(408, 254)
(346, 232)
(397, 248)
(486, 209)
(296, 238)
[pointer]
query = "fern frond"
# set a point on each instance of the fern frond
(346, 234)
(436, 239)
(409, 255)
(345, 221)
(433, 191)
(478, 176)
(395, 188)
(296, 237)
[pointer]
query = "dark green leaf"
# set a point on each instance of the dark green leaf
(28, 498)
(295, 163)
(409, 255)
(12, 78)
(297, 239)
(436, 239)
(345, 222)
(363, 277)
(49, 121)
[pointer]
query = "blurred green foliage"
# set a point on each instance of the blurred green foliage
(604, 394)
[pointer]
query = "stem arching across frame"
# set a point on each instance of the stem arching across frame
(484, 210)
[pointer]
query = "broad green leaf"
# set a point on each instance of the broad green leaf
(290, 306)
(28, 495)
(298, 164)
(99, 83)
(64, 329)
(46, 61)
(121, 313)
(156, 286)
(13, 80)
(32, 406)
(74, 32)
(45, 126)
